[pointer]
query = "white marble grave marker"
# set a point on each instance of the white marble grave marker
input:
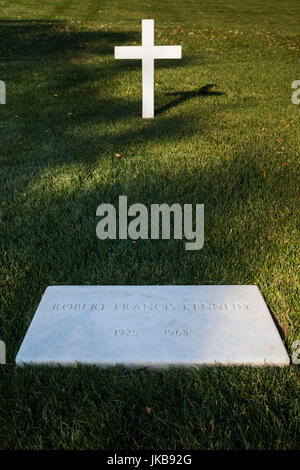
(147, 53)
(152, 326)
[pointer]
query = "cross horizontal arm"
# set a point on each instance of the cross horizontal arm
(128, 52)
(167, 52)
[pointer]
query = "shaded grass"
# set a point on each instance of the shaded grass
(117, 409)
(70, 109)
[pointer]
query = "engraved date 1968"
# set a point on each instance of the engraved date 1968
(177, 332)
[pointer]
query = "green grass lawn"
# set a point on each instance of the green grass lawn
(71, 107)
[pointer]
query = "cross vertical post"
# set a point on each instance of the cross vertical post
(148, 68)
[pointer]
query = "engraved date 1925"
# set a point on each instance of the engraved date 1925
(126, 332)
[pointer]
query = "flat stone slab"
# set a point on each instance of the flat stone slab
(152, 326)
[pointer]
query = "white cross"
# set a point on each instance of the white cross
(148, 52)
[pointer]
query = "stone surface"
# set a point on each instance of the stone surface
(152, 326)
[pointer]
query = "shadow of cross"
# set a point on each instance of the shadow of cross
(187, 95)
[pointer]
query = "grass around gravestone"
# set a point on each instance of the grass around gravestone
(225, 134)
